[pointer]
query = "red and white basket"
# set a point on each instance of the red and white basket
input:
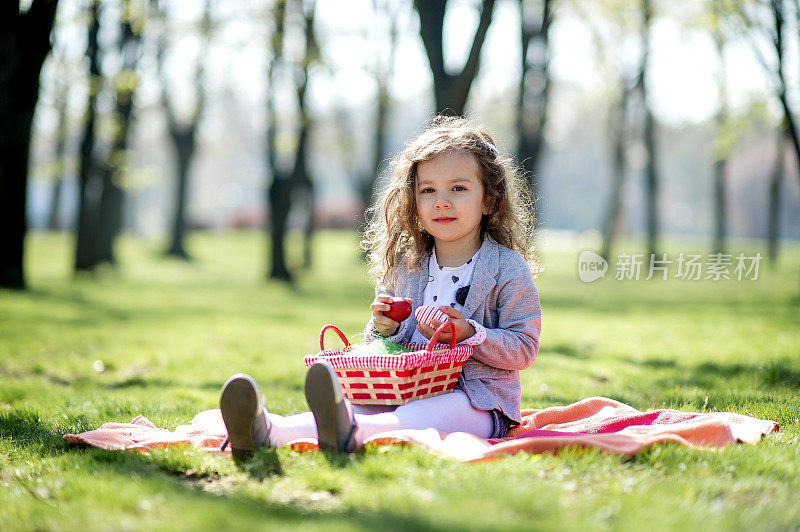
(424, 371)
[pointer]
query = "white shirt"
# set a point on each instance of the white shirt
(448, 286)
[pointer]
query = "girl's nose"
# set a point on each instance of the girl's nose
(442, 201)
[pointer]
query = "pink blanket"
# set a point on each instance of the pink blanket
(595, 422)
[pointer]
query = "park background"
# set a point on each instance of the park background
(188, 201)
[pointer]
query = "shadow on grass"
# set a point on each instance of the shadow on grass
(677, 303)
(152, 305)
(24, 428)
(655, 363)
(774, 373)
(544, 400)
(164, 474)
(142, 382)
(241, 505)
(565, 350)
(130, 382)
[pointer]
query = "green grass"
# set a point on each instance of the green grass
(168, 334)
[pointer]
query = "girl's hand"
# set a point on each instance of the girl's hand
(463, 328)
(383, 324)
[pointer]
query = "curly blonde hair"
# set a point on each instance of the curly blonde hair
(394, 231)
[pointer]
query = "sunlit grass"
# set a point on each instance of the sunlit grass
(158, 337)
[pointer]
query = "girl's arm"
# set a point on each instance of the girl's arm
(514, 344)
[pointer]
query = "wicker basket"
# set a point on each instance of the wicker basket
(424, 371)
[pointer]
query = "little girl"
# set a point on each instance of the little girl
(451, 229)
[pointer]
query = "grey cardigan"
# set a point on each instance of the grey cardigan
(503, 298)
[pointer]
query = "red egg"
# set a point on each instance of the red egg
(399, 309)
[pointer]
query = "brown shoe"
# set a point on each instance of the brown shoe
(335, 428)
(244, 415)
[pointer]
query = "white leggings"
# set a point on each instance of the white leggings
(450, 412)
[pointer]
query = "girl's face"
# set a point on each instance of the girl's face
(449, 196)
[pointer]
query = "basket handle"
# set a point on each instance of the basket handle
(338, 331)
(438, 333)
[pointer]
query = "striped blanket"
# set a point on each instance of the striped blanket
(595, 422)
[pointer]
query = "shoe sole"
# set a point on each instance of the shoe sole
(239, 404)
(325, 399)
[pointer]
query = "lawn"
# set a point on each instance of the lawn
(158, 337)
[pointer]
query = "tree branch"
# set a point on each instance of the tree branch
(34, 29)
(9, 16)
(471, 66)
(431, 25)
(200, 76)
(750, 25)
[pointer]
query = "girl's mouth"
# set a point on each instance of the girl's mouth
(443, 220)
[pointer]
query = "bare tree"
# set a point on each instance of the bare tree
(88, 197)
(610, 23)
(303, 180)
(723, 147)
(534, 83)
(24, 45)
(288, 179)
(625, 88)
(60, 152)
(279, 191)
(767, 18)
(391, 14)
(778, 17)
(649, 133)
(451, 89)
(182, 130)
(775, 183)
(617, 120)
(114, 167)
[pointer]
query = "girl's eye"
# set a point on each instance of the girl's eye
(459, 188)
(426, 190)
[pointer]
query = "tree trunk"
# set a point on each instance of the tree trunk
(791, 126)
(15, 131)
(184, 140)
(277, 193)
(310, 227)
(617, 122)
(451, 90)
(280, 202)
(306, 189)
(53, 222)
(301, 167)
(281, 193)
(651, 170)
(721, 162)
(24, 44)
(369, 184)
(720, 193)
(534, 85)
(53, 217)
(652, 184)
(109, 218)
(87, 196)
(774, 212)
(285, 184)
(113, 195)
(184, 135)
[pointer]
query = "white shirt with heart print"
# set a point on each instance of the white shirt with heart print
(448, 286)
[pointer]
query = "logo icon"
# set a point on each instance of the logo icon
(591, 266)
